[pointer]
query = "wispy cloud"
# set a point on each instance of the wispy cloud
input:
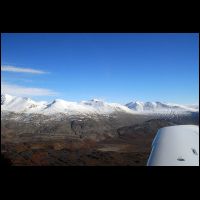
(26, 91)
(8, 68)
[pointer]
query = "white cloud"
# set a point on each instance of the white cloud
(17, 90)
(21, 70)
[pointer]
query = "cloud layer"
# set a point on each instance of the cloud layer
(21, 70)
(27, 91)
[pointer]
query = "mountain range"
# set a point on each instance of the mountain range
(94, 106)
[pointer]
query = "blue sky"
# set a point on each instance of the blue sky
(112, 67)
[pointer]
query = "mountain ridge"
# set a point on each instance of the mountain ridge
(94, 106)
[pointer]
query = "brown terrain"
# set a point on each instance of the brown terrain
(76, 143)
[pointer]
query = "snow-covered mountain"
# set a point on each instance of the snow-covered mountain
(20, 104)
(94, 106)
(159, 107)
(26, 105)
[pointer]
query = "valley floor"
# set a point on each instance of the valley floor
(89, 153)
(125, 146)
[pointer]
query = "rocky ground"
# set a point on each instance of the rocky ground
(117, 139)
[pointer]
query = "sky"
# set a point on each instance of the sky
(114, 67)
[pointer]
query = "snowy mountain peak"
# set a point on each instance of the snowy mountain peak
(160, 107)
(5, 98)
(93, 102)
(136, 106)
(96, 100)
(19, 104)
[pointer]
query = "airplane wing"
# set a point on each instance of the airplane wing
(175, 146)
